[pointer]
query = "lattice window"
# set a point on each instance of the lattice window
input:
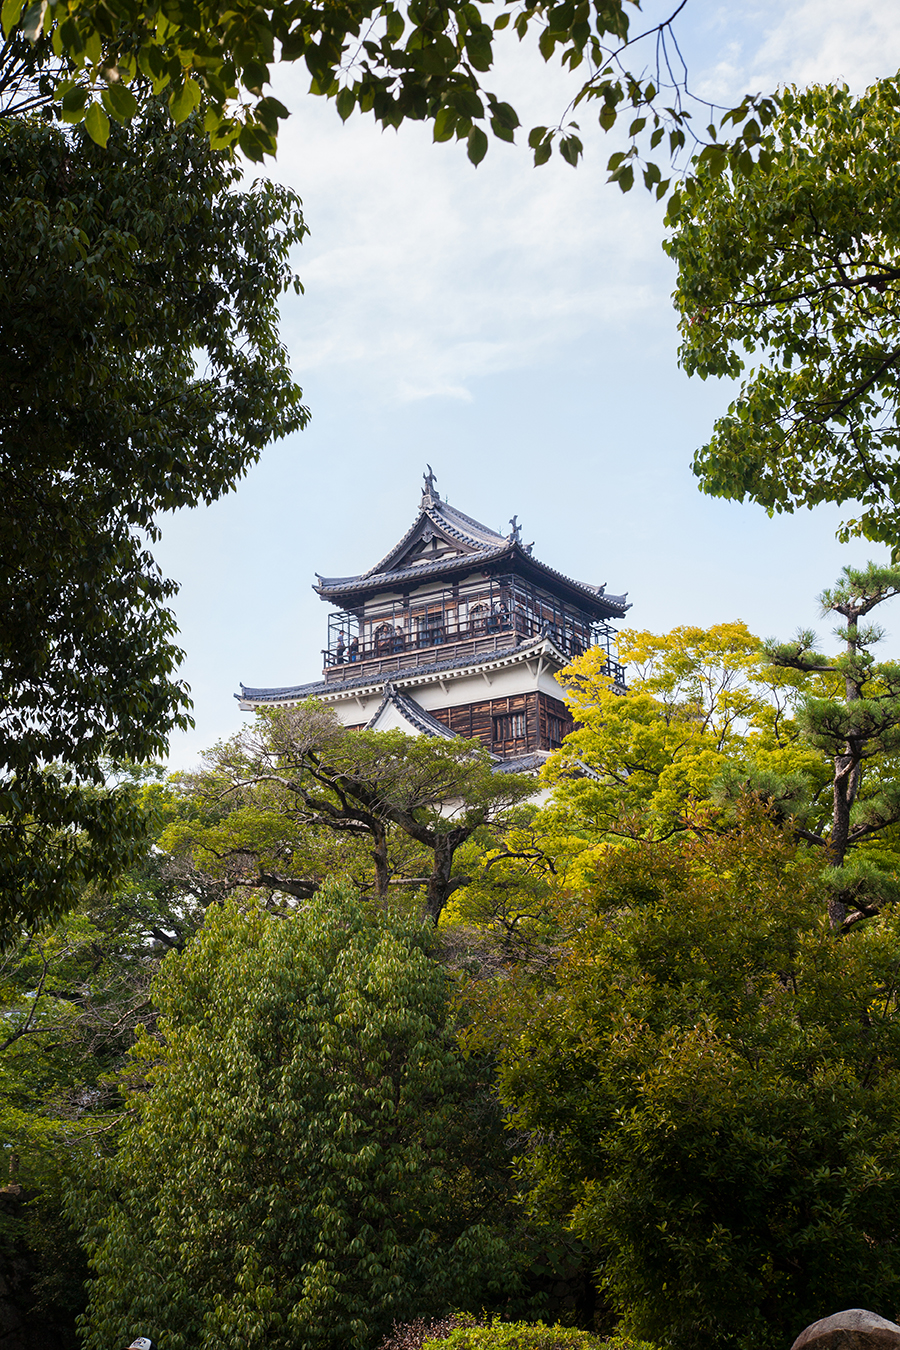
(509, 727)
(556, 729)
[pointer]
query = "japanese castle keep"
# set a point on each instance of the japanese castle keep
(458, 631)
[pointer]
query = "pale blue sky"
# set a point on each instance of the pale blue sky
(511, 326)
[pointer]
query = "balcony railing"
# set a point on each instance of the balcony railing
(392, 649)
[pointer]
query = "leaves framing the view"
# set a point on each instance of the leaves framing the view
(396, 62)
(797, 264)
(142, 372)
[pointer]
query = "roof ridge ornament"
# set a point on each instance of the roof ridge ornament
(515, 535)
(428, 493)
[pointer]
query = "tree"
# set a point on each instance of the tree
(712, 715)
(142, 372)
(310, 1158)
(267, 810)
(72, 995)
(710, 1091)
(700, 703)
(797, 257)
(860, 735)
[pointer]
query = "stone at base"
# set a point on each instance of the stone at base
(855, 1329)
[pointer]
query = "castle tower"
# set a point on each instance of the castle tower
(460, 631)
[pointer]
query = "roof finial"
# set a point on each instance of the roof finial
(429, 478)
(515, 537)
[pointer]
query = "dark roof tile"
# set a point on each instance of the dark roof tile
(319, 687)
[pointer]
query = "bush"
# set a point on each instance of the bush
(413, 1335)
(528, 1336)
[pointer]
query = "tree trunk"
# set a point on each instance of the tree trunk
(847, 771)
(440, 886)
(380, 855)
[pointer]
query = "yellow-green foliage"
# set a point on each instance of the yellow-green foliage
(531, 1336)
(699, 701)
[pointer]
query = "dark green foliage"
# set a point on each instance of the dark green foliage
(713, 1091)
(391, 59)
(859, 732)
(42, 1270)
(142, 372)
(310, 1160)
(71, 998)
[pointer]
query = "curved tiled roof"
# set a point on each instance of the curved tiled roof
(445, 518)
(292, 693)
(480, 546)
(413, 712)
(368, 581)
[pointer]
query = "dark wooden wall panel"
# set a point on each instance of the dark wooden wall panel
(478, 721)
(556, 709)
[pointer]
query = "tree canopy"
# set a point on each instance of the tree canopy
(701, 702)
(309, 1156)
(859, 733)
(142, 372)
(710, 1089)
(796, 258)
(297, 797)
(712, 715)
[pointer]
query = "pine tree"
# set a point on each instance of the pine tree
(857, 731)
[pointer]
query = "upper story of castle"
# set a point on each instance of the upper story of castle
(452, 591)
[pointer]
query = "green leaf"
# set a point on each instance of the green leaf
(505, 114)
(10, 15)
(255, 74)
(277, 108)
(73, 103)
(570, 148)
(395, 25)
(93, 48)
(346, 102)
(183, 101)
(97, 124)
(479, 51)
(444, 124)
(477, 145)
(254, 143)
(465, 101)
(119, 102)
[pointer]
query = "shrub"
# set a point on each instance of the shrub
(528, 1336)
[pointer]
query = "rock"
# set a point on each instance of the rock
(855, 1329)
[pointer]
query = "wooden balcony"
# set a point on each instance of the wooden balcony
(458, 651)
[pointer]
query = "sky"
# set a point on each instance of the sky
(512, 327)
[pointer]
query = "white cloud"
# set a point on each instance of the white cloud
(424, 274)
(822, 41)
(833, 40)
